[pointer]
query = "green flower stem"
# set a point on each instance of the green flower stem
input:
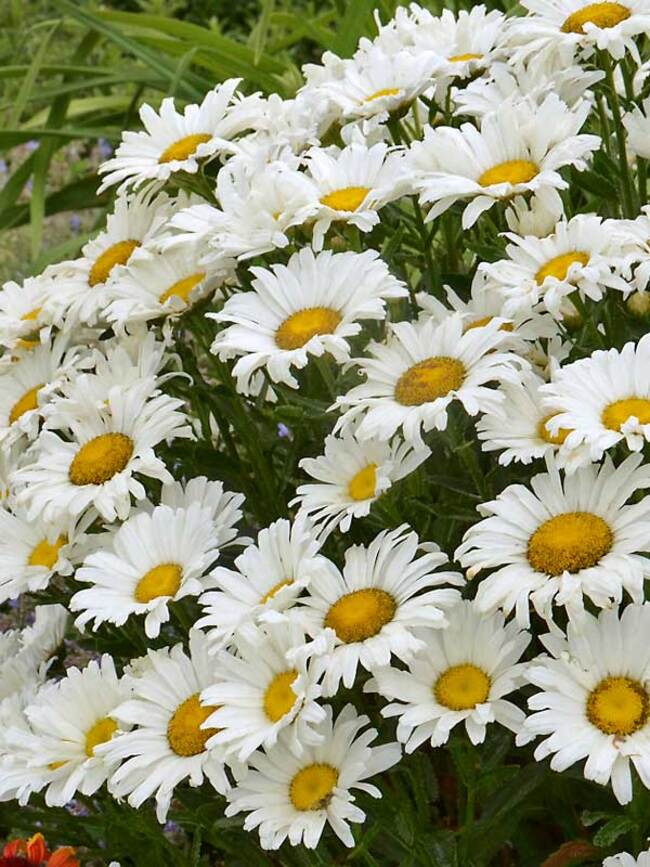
(615, 107)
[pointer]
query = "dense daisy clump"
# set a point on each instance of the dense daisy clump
(325, 467)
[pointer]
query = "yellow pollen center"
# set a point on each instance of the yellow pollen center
(275, 589)
(618, 706)
(462, 687)
(182, 288)
(311, 788)
(362, 485)
(603, 15)
(300, 327)
(462, 58)
(163, 580)
(54, 766)
(100, 459)
(361, 614)
(26, 403)
(183, 148)
(385, 91)
(345, 199)
(509, 172)
(616, 414)
(31, 315)
(279, 698)
(485, 320)
(428, 380)
(559, 266)
(545, 434)
(46, 554)
(184, 732)
(569, 543)
(102, 731)
(118, 254)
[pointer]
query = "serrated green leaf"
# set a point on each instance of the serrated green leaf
(612, 830)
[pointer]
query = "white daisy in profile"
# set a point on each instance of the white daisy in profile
(97, 466)
(23, 317)
(562, 540)
(351, 475)
(536, 215)
(637, 126)
(266, 684)
(223, 507)
(290, 795)
(269, 576)
(582, 254)
(308, 307)
(624, 859)
(384, 591)
(603, 399)
(519, 149)
(593, 701)
(173, 142)
(168, 742)
(154, 559)
(634, 239)
(24, 652)
(413, 377)
(460, 675)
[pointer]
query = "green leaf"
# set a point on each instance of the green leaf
(612, 830)
(260, 32)
(357, 22)
(29, 79)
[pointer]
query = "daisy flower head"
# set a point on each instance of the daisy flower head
(519, 149)
(634, 238)
(155, 558)
(23, 652)
(562, 540)
(266, 684)
(384, 591)
(413, 377)
(624, 859)
(537, 215)
(308, 307)
(460, 675)
(290, 795)
(268, 577)
(23, 315)
(168, 741)
(351, 475)
(97, 465)
(593, 701)
(223, 507)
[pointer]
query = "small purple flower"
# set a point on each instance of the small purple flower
(284, 432)
(105, 149)
(29, 185)
(14, 603)
(171, 827)
(31, 145)
(4, 168)
(75, 223)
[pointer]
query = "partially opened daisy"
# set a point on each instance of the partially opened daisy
(293, 796)
(23, 315)
(155, 558)
(351, 475)
(223, 507)
(460, 675)
(168, 741)
(637, 126)
(520, 148)
(384, 591)
(562, 540)
(412, 378)
(308, 307)
(593, 701)
(24, 652)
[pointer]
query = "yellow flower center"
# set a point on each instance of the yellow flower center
(559, 266)
(300, 327)
(618, 706)
(616, 414)
(485, 320)
(462, 58)
(509, 172)
(184, 732)
(362, 485)
(163, 580)
(603, 15)
(100, 459)
(462, 687)
(311, 788)
(44, 554)
(428, 380)
(26, 403)
(184, 147)
(385, 91)
(102, 731)
(31, 315)
(275, 589)
(54, 766)
(345, 199)
(279, 698)
(569, 543)
(545, 434)
(182, 288)
(361, 614)
(118, 254)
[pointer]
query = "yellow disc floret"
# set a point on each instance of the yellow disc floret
(509, 172)
(603, 15)
(118, 254)
(545, 434)
(184, 732)
(182, 288)
(428, 380)
(311, 788)
(345, 199)
(279, 698)
(616, 414)
(363, 484)
(26, 403)
(184, 147)
(569, 542)
(462, 687)
(102, 731)
(100, 459)
(163, 580)
(618, 706)
(45, 553)
(558, 267)
(361, 614)
(275, 589)
(300, 327)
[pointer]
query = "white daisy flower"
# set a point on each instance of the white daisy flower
(24, 651)
(97, 466)
(460, 675)
(223, 507)
(634, 238)
(624, 859)
(412, 378)
(155, 558)
(269, 576)
(301, 309)
(637, 125)
(593, 702)
(519, 149)
(537, 215)
(292, 796)
(562, 541)
(383, 593)
(23, 315)
(352, 475)
(168, 742)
